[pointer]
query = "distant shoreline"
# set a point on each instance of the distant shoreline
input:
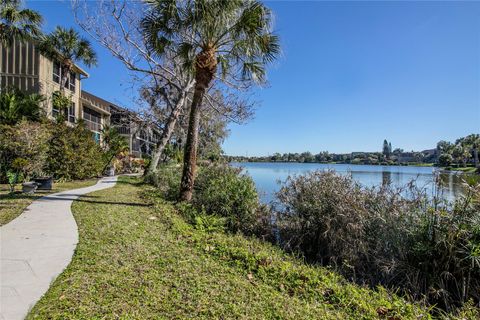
(467, 170)
(353, 164)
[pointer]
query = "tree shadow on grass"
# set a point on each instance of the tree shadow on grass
(19, 196)
(81, 198)
(37, 196)
(130, 181)
(129, 204)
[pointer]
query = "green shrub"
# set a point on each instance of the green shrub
(167, 180)
(24, 140)
(398, 238)
(73, 153)
(200, 219)
(220, 191)
(17, 173)
(14, 178)
(225, 191)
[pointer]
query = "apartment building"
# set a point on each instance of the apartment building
(24, 67)
(97, 112)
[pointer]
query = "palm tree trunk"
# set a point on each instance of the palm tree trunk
(66, 69)
(190, 156)
(63, 89)
(168, 130)
(63, 82)
(108, 163)
(475, 157)
(205, 68)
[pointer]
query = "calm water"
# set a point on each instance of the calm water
(266, 176)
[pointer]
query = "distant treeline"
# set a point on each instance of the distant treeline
(397, 157)
(462, 153)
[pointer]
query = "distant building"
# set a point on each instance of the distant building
(141, 137)
(95, 113)
(430, 155)
(406, 157)
(361, 155)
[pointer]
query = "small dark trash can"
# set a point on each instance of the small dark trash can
(44, 183)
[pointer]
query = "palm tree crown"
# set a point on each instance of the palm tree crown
(16, 23)
(235, 35)
(68, 47)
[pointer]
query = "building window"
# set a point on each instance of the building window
(72, 81)
(71, 113)
(56, 72)
(93, 119)
(57, 76)
(55, 110)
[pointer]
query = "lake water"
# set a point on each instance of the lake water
(267, 174)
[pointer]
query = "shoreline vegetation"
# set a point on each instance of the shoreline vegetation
(420, 247)
(161, 259)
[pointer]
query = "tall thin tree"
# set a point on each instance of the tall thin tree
(229, 37)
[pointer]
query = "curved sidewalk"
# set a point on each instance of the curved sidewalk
(36, 247)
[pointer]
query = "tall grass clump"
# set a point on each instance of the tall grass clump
(398, 238)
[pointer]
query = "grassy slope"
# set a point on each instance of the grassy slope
(138, 259)
(11, 206)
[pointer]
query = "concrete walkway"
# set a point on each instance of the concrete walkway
(36, 247)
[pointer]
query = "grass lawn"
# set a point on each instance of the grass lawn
(138, 259)
(463, 169)
(12, 205)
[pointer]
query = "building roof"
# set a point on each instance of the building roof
(80, 70)
(98, 103)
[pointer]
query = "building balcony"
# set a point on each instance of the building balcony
(93, 126)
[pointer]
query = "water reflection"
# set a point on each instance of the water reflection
(267, 175)
(386, 178)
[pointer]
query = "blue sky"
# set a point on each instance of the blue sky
(351, 74)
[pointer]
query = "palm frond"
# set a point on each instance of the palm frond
(238, 31)
(67, 44)
(16, 23)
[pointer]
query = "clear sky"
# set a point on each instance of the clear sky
(351, 74)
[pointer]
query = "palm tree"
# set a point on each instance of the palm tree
(114, 144)
(15, 106)
(231, 37)
(68, 47)
(16, 23)
(461, 153)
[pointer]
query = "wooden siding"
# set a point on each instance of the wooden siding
(19, 66)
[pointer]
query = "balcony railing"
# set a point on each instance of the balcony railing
(93, 126)
(122, 130)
